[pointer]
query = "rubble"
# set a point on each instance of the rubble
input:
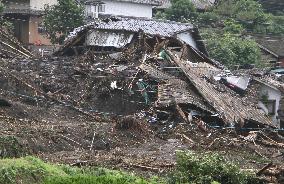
(132, 102)
(10, 47)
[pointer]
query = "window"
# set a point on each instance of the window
(102, 8)
(270, 104)
(41, 28)
(89, 10)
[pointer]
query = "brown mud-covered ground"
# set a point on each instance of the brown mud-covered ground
(64, 111)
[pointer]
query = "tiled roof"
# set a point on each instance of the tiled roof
(149, 26)
(275, 44)
(22, 11)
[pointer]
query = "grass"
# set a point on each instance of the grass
(192, 168)
(26, 170)
(29, 170)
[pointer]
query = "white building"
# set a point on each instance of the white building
(270, 95)
(126, 8)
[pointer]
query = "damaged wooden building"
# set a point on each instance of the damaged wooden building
(172, 56)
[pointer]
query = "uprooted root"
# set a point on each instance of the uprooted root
(130, 123)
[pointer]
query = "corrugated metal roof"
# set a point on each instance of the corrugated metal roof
(148, 26)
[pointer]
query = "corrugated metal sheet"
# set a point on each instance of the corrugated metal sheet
(108, 39)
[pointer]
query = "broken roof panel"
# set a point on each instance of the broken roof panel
(272, 44)
(269, 81)
(176, 91)
(230, 107)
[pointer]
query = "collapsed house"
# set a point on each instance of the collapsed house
(171, 57)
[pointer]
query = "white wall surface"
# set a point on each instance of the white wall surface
(127, 9)
(187, 38)
(39, 4)
(273, 94)
(17, 4)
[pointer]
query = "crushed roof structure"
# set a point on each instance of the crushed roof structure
(162, 28)
(271, 82)
(10, 47)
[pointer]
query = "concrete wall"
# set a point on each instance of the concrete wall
(17, 4)
(127, 9)
(34, 36)
(39, 4)
(187, 38)
(272, 94)
(21, 28)
(26, 4)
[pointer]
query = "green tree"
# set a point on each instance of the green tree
(1, 10)
(231, 26)
(231, 50)
(249, 13)
(62, 18)
(181, 10)
(1, 7)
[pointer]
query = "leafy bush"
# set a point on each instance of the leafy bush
(10, 147)
(208, 168)
(208, 19)
(276, 26)
(231, 50)
(231, 26)
(182, 11)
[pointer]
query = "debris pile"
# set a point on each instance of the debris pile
(121, 95)
(10, 47)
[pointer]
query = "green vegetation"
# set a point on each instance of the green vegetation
(192, 168)
(232, 50)
(32, 170)
(1, 11)
(208, 168)
(62, 18)
(181, 10)
(26, 170)
(1, 7)
(227, 23)
(10, 147)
